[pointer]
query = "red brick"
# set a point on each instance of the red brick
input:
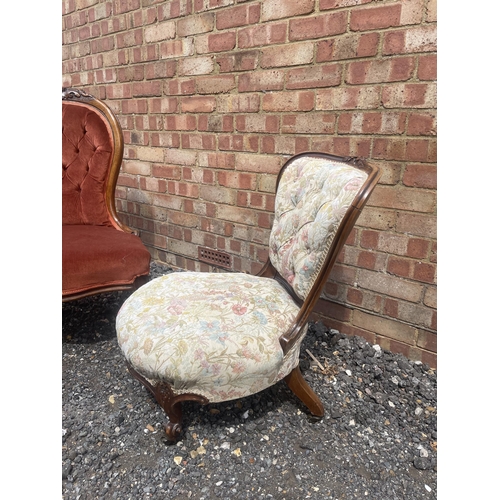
(68, 6)
(180, 122)
(257, 123)
(427, 67)
(165, 140)
(131, 73)
(367, 260)
(238, 103)
(328, 75)
(433, 256)
(170, 10)
(372, 18)
(143, 122)
(261, 35)
(163, 105)
(215, 84)
(193, 25)
(135, 106)
(418, 248)
(423, 176)
(258, 163)
(198, 141)
(288, 101)
(348, 47)
(416, 224)
(348, 98)
(354, 296)
(292, 54)
(424, 272)
(129, 39)
(147, 89)
(411, 40)
(102, 44)
(238, 16)
(400, 149)
(215, 123)
(220, 160)
(239, 143)
(261, 80)
(422, 124)
(277, 9)
(391, 307)
(122, 6)
(418, 150)
(382, 70)
(399, 267)
(336, 4)
(318, 27)
(198, 104)
(404, 198)
(287, 145)
(221, 42)
(372, 123)
(394, 42)
(409, 95)
(342, 146)
(332, 310)
(242, 61)
(143, 54)
(166, 172)
(311, 123)
(163, 69)
(176, 48)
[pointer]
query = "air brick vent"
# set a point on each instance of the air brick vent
(214, 257)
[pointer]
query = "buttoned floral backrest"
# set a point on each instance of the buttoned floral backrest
(313, 196)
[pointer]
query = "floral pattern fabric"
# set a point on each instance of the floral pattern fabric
(313, 196)
(213, 334)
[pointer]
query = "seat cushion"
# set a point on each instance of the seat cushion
(212, 334)
(98, 256)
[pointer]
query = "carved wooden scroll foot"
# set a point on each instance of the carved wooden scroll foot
(171, 404)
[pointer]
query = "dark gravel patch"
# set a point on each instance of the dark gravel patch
(378, 439)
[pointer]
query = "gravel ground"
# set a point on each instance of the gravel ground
(377, 440)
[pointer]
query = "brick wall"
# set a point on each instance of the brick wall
(214, 95)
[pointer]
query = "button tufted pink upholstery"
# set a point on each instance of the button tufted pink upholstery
(87, 149)
(99, 252)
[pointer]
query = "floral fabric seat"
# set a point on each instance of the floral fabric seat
(212, 337)
(208, 333)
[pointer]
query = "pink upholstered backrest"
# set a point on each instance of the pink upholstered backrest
(87, 151)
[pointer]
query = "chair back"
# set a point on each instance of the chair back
(318, 199)
(92, 152)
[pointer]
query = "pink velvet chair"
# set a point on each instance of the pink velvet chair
(99, 252)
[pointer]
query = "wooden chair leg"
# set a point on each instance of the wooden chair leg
(171, 404)
(303, 391)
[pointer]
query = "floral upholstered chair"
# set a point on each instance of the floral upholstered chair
(212, 337)
(99, 252)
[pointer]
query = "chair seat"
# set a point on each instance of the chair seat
(99, 256)
(210, 334)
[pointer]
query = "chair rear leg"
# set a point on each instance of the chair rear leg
(303, 391)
